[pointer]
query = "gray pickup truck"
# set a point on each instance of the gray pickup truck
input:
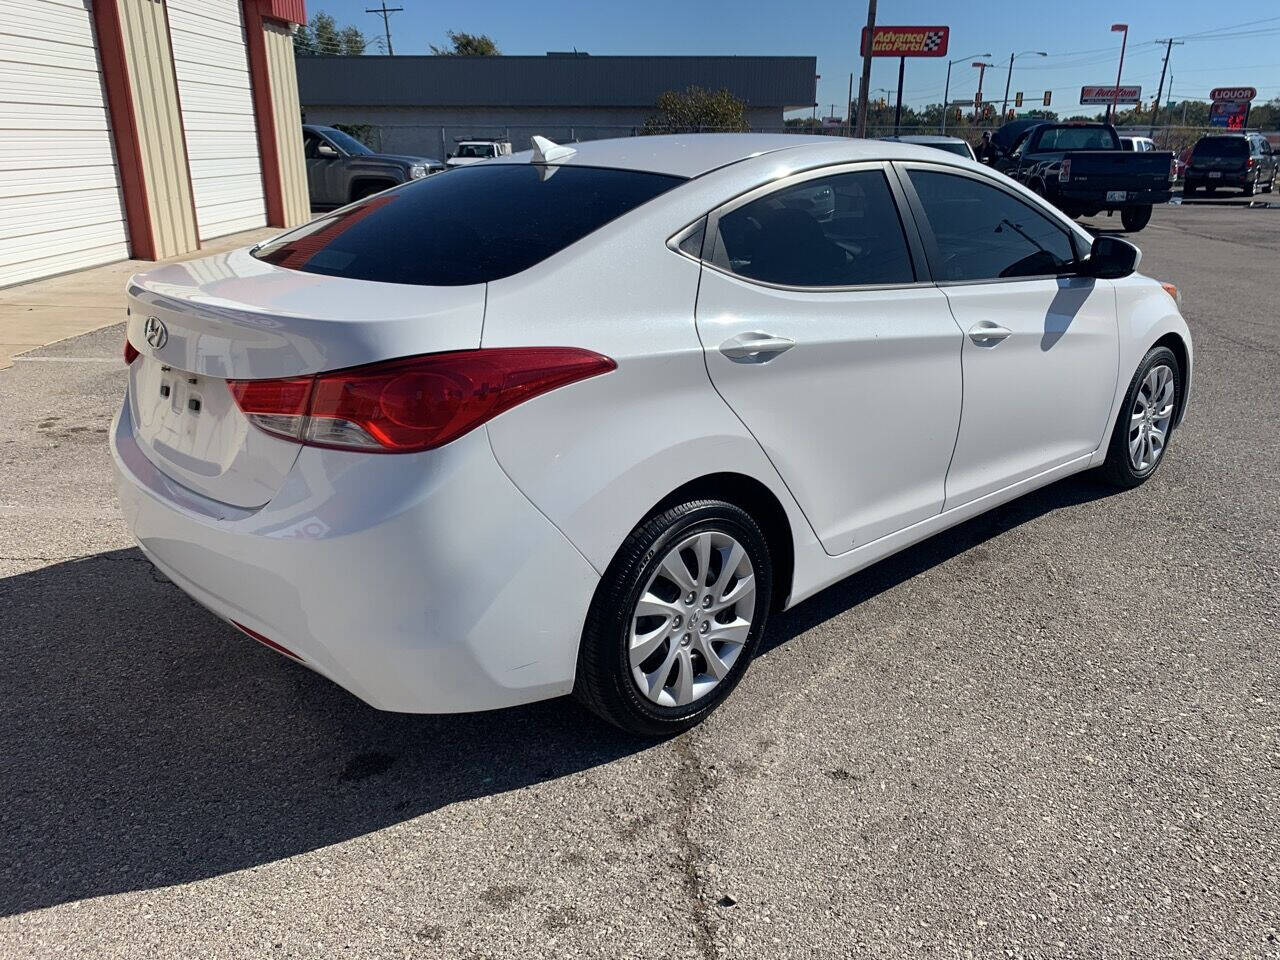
(341, 169)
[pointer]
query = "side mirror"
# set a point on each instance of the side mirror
(325, 150)
(1111, 258)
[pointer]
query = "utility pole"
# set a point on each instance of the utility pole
(848, 105)
(897, 111)
(946, 91)
(1122, 28)
(386, 22)
(1155, 111)
(1004, 107)
(864, 90)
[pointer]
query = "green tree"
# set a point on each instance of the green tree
(696, 110)
(323, 37)
(467, 45)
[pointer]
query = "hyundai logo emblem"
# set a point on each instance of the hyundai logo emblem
(155, 332)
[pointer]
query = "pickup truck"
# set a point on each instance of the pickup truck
(1083, 169)
(341, 169)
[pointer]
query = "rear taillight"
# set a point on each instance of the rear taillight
(1064, 171)
(130, 353)
(418, 403)
(1253, 162)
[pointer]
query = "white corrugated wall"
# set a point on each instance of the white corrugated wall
(212, 66)
(61, 207)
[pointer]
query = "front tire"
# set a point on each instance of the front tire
(676, 619)
(1135, 218)
(1145, 424)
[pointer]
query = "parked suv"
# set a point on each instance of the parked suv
(1243, 161)
(341, 169)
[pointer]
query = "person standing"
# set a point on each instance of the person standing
(987, 151)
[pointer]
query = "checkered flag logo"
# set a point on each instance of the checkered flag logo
(932, 40)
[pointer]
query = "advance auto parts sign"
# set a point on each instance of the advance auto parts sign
(907, 42)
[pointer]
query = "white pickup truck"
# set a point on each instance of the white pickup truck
(473, 151)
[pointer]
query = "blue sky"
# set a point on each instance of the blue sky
(1076, 34)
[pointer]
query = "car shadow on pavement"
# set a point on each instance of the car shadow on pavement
(888, 573)
(145, 743)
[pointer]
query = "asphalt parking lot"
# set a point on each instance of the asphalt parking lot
(1051, 732)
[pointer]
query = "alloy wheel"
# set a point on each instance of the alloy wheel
(693, 619)
(1150, 418)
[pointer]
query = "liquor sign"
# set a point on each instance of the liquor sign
(1111, 93)
(907, 42)
(1233, 94)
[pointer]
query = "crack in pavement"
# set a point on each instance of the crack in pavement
(692, 782)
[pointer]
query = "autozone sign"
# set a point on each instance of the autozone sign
(907, 42)
(1107, 93)
(1233, 93)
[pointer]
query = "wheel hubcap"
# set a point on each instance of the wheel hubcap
(1150, 418)
(692, 619)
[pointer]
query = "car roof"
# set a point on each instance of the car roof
(693, 154)
(925, 138)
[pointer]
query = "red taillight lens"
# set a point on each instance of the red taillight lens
(418, 403)
(130, 353)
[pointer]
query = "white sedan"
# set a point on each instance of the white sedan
(578, 420)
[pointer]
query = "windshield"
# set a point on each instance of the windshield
(346, 143)
(1077, 138)
(476, 150)
(960, 149)
(1221, 147)
(477, 224)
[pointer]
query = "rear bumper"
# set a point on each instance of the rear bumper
(1096, 198)
(423, 583)
(1198, 178)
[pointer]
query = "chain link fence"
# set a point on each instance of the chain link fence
(440, 140)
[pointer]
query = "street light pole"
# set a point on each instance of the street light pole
(946, 91)
(1122, 28)
(1004, 107)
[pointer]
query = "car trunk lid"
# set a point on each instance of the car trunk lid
(234, 317)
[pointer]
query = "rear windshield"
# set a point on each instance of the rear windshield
(1221, 147)
(470, 225)
(960, 149)
(1078, 138)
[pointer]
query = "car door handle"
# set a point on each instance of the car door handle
(755, 347)
(988, 334)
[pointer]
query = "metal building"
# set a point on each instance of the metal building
(143, 128)
(420, 105)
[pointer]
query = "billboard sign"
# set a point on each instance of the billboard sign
(1231, 114)
(1104, 94)
(1233, 93)
(907, 42)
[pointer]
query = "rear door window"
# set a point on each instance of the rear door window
(836, 231)
(1219, 147)
(984, 233)
(470, 225)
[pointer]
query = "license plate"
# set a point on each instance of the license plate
(1116, 195)
(1215, 174)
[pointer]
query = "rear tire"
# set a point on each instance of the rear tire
(1148, 412)
(1135, 218)
(1250, 188)
(659, 667)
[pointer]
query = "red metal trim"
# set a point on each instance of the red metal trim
(182, 129)
(286, 11)
(260, 83)
(124, 128)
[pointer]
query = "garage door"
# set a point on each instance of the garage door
(212, 65)
(60, 202)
